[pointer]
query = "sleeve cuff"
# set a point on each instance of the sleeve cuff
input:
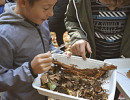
(30, 67)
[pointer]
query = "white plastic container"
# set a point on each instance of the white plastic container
(109, 84)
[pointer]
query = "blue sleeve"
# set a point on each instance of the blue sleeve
(1, 9)
(14, 78)
(10, 76)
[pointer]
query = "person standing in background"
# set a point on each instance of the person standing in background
(99, 27)
(56, 22)
(2, 2)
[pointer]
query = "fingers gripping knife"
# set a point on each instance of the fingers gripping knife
(61, 46)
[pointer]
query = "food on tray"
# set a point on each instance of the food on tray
(84, 83)
(128, 74)
(85, 73)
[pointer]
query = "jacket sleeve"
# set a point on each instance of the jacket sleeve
(72, 24)
(11, 77)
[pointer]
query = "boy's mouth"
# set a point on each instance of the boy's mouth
(43, 19)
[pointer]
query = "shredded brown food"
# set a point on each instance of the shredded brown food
(85, 73)
(82, 83)
(128, 74)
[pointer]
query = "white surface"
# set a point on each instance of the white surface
(110, 82)
(123, 82)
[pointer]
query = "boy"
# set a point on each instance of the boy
(2, 2)
(25, 41)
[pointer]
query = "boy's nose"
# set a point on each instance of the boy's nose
(50, 13)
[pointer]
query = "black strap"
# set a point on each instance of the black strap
(31, 70)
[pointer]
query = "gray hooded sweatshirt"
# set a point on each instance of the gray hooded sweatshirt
(20, 42)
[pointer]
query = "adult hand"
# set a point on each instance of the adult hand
(112, 4)
(80, 48)
(41, 63)
(68, 53)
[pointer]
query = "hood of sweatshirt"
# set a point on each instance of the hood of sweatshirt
(9, 16)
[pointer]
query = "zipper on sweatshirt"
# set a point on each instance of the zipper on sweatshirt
(39, 32)
(41, 37)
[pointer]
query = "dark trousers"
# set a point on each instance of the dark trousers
(59, 34)
(59, 37)
(117, 93)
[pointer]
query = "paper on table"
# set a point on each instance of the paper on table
(123, 83)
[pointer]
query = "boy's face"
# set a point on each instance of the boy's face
(39, 12)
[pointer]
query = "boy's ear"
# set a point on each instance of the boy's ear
(21, 3)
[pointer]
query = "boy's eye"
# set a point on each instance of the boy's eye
(46, 8)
